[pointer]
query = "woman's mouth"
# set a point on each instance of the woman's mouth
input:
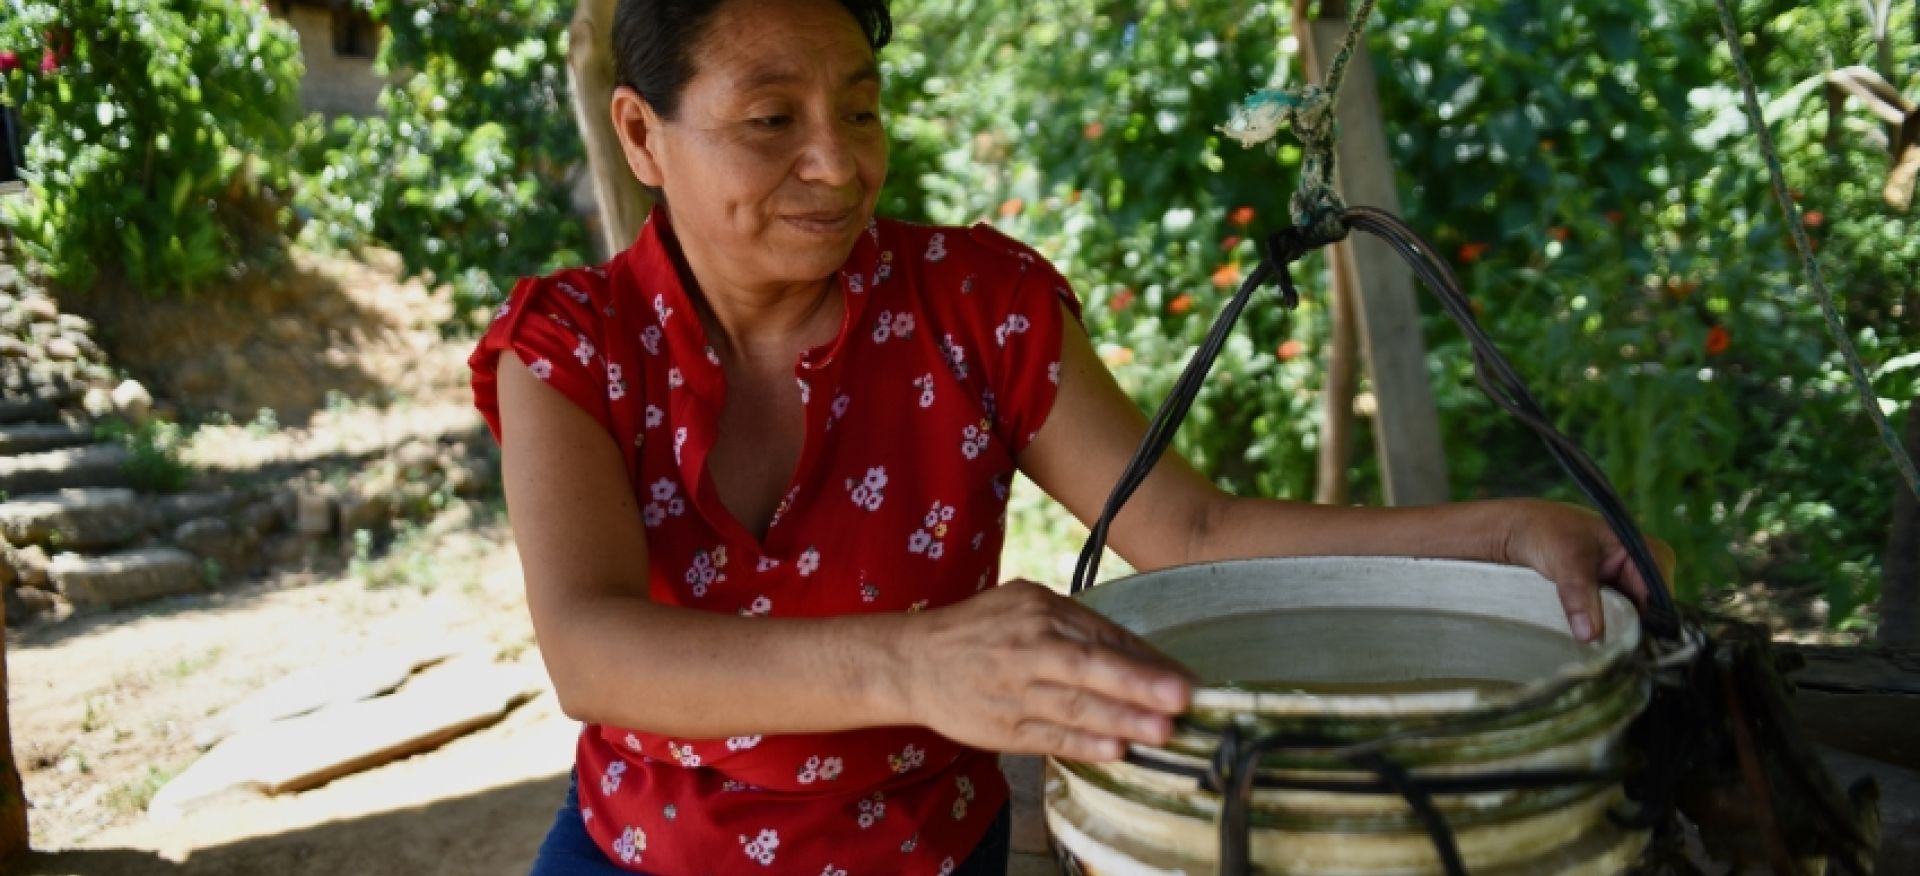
(821, 222)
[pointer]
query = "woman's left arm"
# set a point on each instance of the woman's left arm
(1178, 517)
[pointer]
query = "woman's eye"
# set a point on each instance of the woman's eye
(864, 118)
(772, 123)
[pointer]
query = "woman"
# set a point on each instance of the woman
(758, 466)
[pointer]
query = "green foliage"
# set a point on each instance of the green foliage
(467, 175)
(1585, 165)
(154, 127)
(154, 464)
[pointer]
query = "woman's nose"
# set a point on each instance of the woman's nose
(829, 157)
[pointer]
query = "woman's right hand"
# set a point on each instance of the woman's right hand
(1022, 669)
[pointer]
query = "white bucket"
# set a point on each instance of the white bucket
(1474, 659)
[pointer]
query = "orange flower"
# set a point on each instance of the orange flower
(1290, 350)
(1116, 356)
(1813, 218)
(1093, 130)
(1011, 207)
(1241, 216)
(1179, 306)
(1227, 277)
(1472, 252)
(1559, 232)
(1614, 216)
(1718, 340)
(1546, 145)
(1232, 241)
(1121, 300)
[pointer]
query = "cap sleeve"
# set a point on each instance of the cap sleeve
(550, 323)
(1029, 322)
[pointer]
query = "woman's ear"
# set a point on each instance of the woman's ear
(638, 128)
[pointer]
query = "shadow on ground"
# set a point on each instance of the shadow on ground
(492, 833)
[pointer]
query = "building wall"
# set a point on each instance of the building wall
(334, 85)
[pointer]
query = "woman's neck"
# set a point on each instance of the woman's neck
(750, 322)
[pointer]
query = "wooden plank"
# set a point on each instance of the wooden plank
(313, 689)
(1406, 430)
(623, 201)
(1331, 484)
(309, 751)
(13, 797)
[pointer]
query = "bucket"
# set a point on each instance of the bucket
(1450, 670)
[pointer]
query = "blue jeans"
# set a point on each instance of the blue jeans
(569, 851)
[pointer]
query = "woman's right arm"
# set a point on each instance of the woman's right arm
(1017, 668)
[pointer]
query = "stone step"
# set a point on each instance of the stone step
(36, 437)
(95, 465)
(125, 578)
(25, 410)
(84, 519)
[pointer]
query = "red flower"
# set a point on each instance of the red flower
(1227, 277)
(1559, 232)
(1290, 350)
(9, 62)
(1179, 306)
(1093, 130)
(1121, 300)
(49, 62)
(1232, 241)
(1473, 252)
(1718, 340)
(1241, 216)
(1614, 216)
(1813, 218)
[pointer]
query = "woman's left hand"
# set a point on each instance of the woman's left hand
(1575, 549)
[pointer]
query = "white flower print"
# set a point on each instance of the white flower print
(684, 754)
(631, 843)
(1001, 485)
(505, 308)
(832, 871)
(712, 356)
(830, 768)
(610, 780)
(679, 441)
(706, 570)
(786, 502)
(614, 371)
(760, 608)
(925, 384)
(598, 271)
(809, 562)
(1053, 373)
(675, 379)
(990, 404)
(1015, 325)
(584, 352)
(541, 368)
(742, 743)
(912, 758)
(806, 390)
(660, 308)
(653, 515)
(655, 416)
(903, 325)
(955, 355)
(650, 339)
(919, 541)
(632, 742)
(978, 537)
(946, 866)
(671, 812)
(937, 248)
(872, 810)
(766, 564)
(912, 843)
(871, 492)
(586, 814)
(664, 489)
(965, 787)
(573, 292)
(973, 440)
(761, 847)
(616, 390)
(840, 404)
(966, 285)
(869, 592)
(883, 327)
(856, 284)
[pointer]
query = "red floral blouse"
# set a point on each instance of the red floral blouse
(947, 362)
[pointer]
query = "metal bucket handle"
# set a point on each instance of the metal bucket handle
(1495, 374)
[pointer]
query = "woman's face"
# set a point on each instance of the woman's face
(775, 160)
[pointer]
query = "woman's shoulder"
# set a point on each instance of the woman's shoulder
(982, 255)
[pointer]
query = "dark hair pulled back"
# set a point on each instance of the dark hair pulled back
(653, 43)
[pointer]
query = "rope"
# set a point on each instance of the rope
(1310, 111)
(1808, 264)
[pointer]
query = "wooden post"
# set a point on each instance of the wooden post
(623, 201)
(13, 797)
(1407, 427)
(1331, 485)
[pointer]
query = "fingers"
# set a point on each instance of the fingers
(1077, 708)
(1580, 597)
(1044, 737)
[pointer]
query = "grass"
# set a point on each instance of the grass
(132, 797)
(154, 464)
